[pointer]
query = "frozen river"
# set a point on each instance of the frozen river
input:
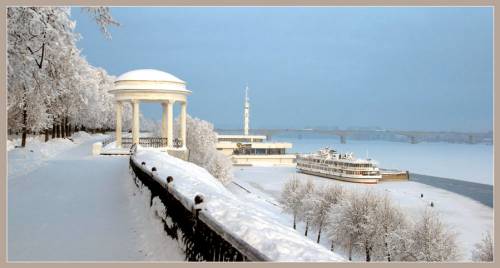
(468, 162)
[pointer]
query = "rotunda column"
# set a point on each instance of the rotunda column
(170, 123)
(183, 123)
(135, 122)
(118, 131)
(164, 120)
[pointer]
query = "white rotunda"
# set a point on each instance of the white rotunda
(149, 85)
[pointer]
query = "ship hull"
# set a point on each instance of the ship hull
(348, 179)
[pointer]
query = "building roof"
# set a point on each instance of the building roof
(149, 85)
(149, 75)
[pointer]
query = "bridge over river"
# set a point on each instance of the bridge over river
(396, 135)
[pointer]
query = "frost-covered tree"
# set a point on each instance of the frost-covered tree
(291, 197)
(319, 203)
(306, 193)
(103, 17)
(352, 223)
(430, 240)
(392, 230)
(483, 251)
(220, 166)
(38, 40)
(201, 141)
(50, 85)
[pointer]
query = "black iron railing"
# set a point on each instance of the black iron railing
(203, 237)
(154, 142)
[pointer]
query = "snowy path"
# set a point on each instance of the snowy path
(75, 207)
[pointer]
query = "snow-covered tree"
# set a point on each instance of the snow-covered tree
(392, 228)
(50, 85)
(352, 223)
(103, 18)
(430, 240)
(306, 193)
(291, 197)
(483, 251)
(38, 40)
(220, 166)
(201, 141)
(319, 203)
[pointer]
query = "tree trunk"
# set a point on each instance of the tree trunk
(67, 128)
(307, 227)
(46, 135)
(367, 251)
(25, 129)
(350, 249)
(58, 130)
(63, 128)
(388, 253)
(53, 130)
(319, 234)
(331, 247)
(294, 221)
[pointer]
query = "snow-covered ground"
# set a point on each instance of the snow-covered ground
(251, 223)
(22, 161)
(71, 206)
(261, 187)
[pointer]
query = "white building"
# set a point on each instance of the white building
(249, 149)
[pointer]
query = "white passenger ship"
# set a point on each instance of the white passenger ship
(331, 164)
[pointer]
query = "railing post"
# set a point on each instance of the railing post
(198, 204)
(170, 182)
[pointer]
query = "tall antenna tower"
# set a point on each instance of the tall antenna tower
(246, 115)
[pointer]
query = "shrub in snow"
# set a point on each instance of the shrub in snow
(201, 141)
(483, 251)
(291, 197)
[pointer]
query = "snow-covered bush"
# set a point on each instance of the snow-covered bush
(483, 251)
(201, 141)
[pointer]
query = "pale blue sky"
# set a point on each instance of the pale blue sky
(396, 68)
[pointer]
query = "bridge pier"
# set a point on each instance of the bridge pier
(342, 139)
(413, 140)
